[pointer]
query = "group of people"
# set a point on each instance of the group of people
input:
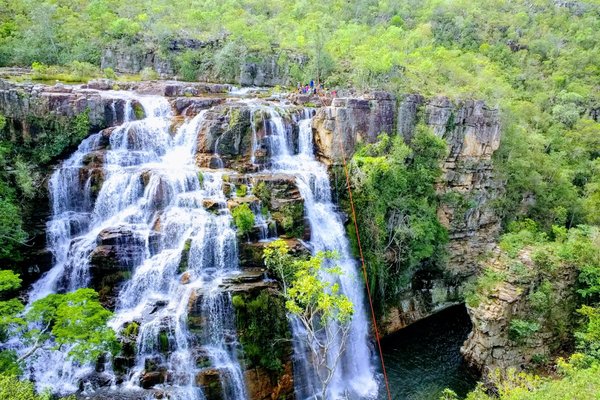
(312, 88)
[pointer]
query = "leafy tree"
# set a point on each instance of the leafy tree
(76, 320)
(324, 313)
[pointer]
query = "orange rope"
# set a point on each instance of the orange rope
(364, 269)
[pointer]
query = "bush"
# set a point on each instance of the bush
(110, 73)
(241, 191)
(263, 193)
(149, 74)
(243, 218)
(12, 388)
(519, 329)
(190, 64)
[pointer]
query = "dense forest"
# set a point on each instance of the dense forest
(537, 61)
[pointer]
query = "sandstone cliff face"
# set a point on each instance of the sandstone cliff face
(495, 341)
(472, 132)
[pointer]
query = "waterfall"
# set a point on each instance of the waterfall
(150, 203)
(135, 190)
(355, 376)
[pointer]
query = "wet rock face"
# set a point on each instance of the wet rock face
(118, 251)
(467, 187)
(229, 132)
(493, 343)
(225, 137)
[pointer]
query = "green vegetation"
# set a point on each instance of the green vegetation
(75, 318)
(485, 284)
(290, 217)
(520, 329)
(75, 71)
(241, 191)
(576, 383)
(396, 203)
(23, 158)
(14, 389)
(243, 217)
(263, 330)
(263, 193)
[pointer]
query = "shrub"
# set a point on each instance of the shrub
(110, 73)
(243, 218)
(520, 329)
(149, 74)
(263, 193)
(241, 191)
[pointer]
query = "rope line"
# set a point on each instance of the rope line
(364, 270)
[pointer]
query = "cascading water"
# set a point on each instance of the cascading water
(355, 377)
(153, 204)
(153, 200)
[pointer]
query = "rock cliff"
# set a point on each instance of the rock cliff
(472, 132)
(522, 314)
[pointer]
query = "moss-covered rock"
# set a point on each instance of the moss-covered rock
(263, 330)
(185, 256)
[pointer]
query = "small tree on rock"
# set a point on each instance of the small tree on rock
(323, 311)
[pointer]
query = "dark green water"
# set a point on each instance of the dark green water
(424, 358)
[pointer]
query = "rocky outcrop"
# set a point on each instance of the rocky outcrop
(522, 316)
(252, 70)
(472, 132)
(133, 58)
(349, 121)
(21, 103)
(118, 251)
(267, 71)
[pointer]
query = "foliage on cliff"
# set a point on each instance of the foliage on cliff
(577, 249)
(395, 202)
(23, 158)
(263, 330)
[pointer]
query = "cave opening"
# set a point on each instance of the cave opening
(424, 358)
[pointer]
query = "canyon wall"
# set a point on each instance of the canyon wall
(467, 187)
